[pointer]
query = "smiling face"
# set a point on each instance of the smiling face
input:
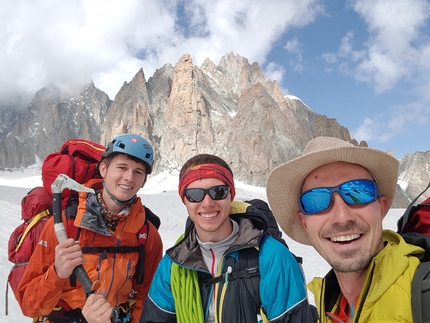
(211, 218)
(346, 236)
(124, 177)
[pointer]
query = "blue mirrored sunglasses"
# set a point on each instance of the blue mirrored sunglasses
(355, 192)
(196, 195)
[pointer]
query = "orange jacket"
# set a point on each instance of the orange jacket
(41, 289)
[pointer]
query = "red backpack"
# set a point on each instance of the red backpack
(414, 226)
(77, 158)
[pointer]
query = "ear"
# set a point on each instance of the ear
(302, 220)
(103, 169)
(383, 203)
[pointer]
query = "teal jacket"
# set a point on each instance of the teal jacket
(282, 285)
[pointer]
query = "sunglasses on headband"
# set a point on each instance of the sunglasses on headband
(355, 192)
(196, 195)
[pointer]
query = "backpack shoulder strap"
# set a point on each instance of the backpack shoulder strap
(249, 259)
(152, 217)
(31, 224)
(420, 295)
(142, 236)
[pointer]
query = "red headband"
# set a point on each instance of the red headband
(206, 171)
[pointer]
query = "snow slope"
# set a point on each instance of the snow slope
(160, 195)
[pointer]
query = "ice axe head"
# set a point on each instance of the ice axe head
(63, 181)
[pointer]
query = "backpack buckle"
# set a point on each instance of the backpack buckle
(251, 272)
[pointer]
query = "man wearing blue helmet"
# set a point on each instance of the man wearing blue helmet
(126, 149)
(112, 242)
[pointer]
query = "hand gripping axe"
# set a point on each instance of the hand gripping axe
(61, 182)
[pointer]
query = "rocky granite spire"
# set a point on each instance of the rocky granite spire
(229, 109)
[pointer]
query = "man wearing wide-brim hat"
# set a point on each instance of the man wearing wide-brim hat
(334, 197)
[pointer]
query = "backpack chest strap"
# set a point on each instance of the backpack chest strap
(246, 273)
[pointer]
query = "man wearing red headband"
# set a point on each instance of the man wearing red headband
(225, 268)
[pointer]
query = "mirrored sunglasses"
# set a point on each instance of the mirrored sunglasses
(196, 195)
(355, 192)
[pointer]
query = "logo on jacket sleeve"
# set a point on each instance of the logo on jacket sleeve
(43, 243)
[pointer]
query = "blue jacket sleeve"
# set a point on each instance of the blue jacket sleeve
(159, 305)
(282, 284)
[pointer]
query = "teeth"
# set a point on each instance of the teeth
(208, 215)
(125, 187)
(345, 238)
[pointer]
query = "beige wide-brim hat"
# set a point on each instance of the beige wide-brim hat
(285, 181)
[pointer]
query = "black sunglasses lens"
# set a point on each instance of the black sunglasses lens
(195, 195)
(219, 192)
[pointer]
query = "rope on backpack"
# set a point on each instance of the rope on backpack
(186, 293)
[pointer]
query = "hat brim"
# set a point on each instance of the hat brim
(285, 182)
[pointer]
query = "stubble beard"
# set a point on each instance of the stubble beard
(348, 263)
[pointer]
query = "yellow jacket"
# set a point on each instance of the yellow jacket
(386, 293)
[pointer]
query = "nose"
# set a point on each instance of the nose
(207, 200)
(340, 211)
(128, 175)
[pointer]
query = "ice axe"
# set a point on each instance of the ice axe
(62, 182)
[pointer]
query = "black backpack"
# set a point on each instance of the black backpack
(414, 226)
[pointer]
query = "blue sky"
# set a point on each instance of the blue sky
(364, 62)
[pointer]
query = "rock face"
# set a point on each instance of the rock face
(229, 109)
(49, 121)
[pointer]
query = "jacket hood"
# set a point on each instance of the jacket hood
(252, 226)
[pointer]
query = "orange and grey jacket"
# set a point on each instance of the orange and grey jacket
(40, 289)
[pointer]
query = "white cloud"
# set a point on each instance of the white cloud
(293, 46)
(401, 119)
(274, 71)
(345, 54)
(398, 54)
(329, 57)
(397, 48)
(366, 131)
(346, 46)
(70, 43)
(372, 130)
(396, 41)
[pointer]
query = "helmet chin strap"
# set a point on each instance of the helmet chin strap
(118, 202)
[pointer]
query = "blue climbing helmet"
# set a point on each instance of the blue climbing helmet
(133, 145)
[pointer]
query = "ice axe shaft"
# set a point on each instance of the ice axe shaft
(62, 182)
